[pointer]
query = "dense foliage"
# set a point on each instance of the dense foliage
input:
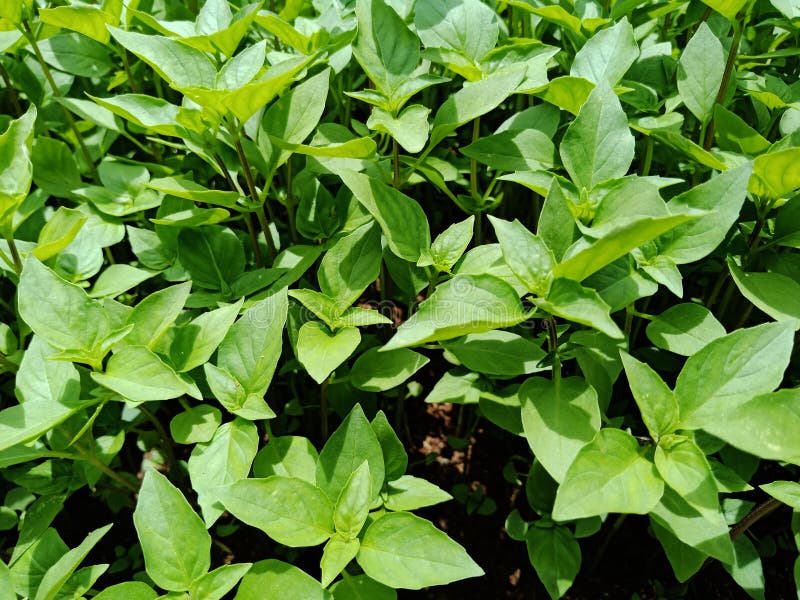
(240, 242)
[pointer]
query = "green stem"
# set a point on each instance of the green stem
(7, 259)
(758, 513)
(395, 163)
(12, 93)
(166, 440)
(598, 556)
(105, 469)
(251, 187)
(647, 161)
(323, 409)
(552, 340)
(246, 217)
(129, 74)
(15, 257)
(291, 206)
(473, 164)
(726, 78)
(29, 35)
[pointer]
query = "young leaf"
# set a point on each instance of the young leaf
(762, 426)
(179, 64)
(472, 303)
(472, 101)
(607, 55)
(499, 353)
(291, 511)
(130, 590)
(410, 493)
(570, 300)
(722, 196)
(558, 419)
(523, 150)
(526, 254)
(321, 351)
(787, 492)
(684, 329)
(57, 575)
(774, 293)
(598, 145)
(774, 175)
(155, 314)
(252, 347)
(222, 461)
(288, 456)
(556, 556)
(655, 400)
(700, 71)
(556, 224)
(468, 27)
(353, 442)
(352, 507)
(6, 583)
(449, 245)
(684, 468)
(731, 370)
(403, 551)
(608, 475)
(196, 424)
(195, 342)
(138, 374)
(276, 579)
(409, 128)
(704, 531)
(215, 584)
(60, 312)
(401, 219)
(360, 587)
(377, 371)
(746, 568)
(351, 265)
(616, 242)
(337, 554)
(385, 48)
(395, 459)
(175, 543)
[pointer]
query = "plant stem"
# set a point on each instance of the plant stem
(105, 469)
(552, 341)
(395, 163)
(323, 409)
(251, 187)
(758, 513)
(15, 257)
(29, 35)
(166, 440)
(726, 78)
(291, 206)
(247, 217)
(127, 66)
(473, 164)
(12, 93)
(647, 161)
(598, 556)
(251, 230)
